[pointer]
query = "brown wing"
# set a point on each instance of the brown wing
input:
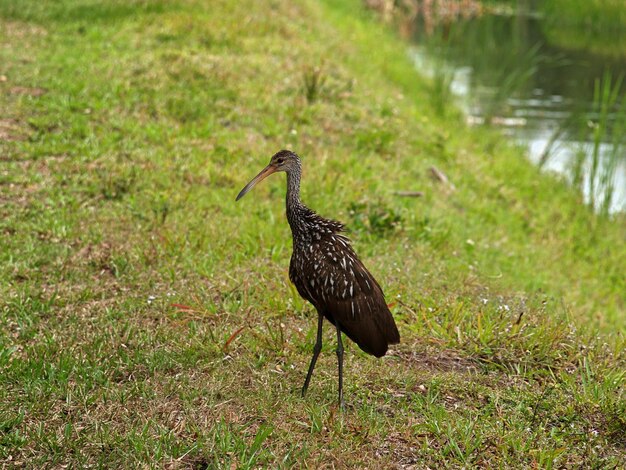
(338, 285)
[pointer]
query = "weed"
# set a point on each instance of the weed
(376, 218)
(594, 168)
(313, 79)
(115, 186)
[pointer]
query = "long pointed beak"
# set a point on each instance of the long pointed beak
(268, 170)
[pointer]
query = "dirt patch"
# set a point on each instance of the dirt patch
(97, 254)
(442, 361)
(402, 449)
(10, 130)
(19, 29)
(23, 90)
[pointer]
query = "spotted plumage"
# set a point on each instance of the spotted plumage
(327, 272)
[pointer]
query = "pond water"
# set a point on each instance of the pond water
(506, 69)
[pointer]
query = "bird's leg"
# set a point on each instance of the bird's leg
(316, 352)
(342, 405)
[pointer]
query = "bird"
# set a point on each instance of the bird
(327, 273)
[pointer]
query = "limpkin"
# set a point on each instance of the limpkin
(327, 272)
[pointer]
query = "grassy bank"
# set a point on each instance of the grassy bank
(586, 25)
(595, 14)
(595, 25)
(147, 320)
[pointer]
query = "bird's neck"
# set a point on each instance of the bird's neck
(294, 206)
(293, 188)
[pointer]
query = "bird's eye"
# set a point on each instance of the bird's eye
(280, 161)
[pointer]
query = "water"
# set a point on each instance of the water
(504, 69)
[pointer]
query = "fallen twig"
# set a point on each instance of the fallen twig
(409, 193)
(232, 337)
(438, 175)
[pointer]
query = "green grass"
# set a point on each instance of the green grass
(146, 320)
(586, 25)
(596, 15)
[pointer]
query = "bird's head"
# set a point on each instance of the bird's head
(285, 160)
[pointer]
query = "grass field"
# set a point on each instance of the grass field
(146, 320)
(588, 25)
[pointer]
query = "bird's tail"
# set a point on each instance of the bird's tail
(374, 333)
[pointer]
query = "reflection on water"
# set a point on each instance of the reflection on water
(503, 71)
